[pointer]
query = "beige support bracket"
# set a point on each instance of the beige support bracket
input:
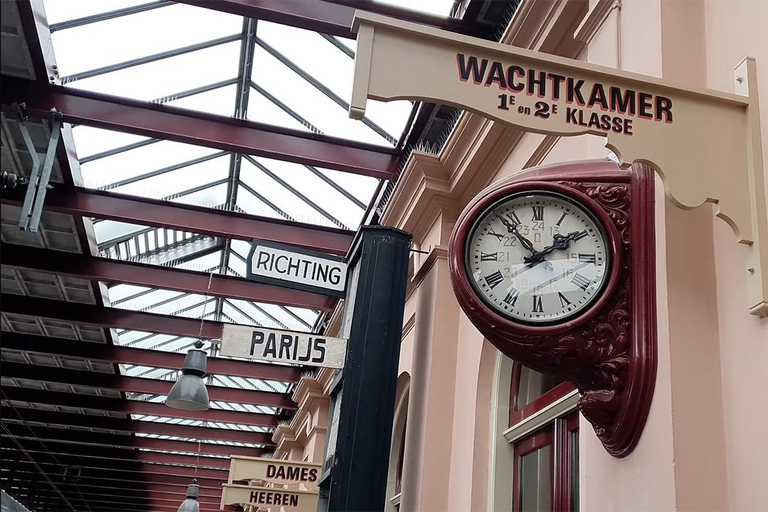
(705, 144)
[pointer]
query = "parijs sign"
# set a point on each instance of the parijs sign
(608, 108)
(303, 348)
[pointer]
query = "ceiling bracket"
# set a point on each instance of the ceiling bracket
(40, 175)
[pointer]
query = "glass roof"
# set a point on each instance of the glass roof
(222, 64)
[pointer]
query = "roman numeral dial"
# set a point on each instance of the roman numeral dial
(537, 258)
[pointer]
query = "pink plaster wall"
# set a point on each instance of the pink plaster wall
(735, 29)
(703, 446)
(470, 344)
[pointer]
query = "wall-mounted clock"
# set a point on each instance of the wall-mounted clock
(537, 255)
(555, 267)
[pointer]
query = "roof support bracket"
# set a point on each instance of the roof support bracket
(32, 209)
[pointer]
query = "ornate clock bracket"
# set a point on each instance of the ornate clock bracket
(610, 352)
(705, 144)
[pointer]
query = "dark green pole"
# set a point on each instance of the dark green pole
(361, 424)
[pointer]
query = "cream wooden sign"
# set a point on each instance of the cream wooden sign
(276, 471)
(268, 498)
(283, 346)
(705, 144)
(292, 484)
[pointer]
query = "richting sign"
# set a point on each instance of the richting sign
(705, 144)
(294, 267)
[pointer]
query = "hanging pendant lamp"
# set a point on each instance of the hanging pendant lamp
(190, 504)
(189, 392)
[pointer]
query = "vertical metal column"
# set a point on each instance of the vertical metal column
(373, 320)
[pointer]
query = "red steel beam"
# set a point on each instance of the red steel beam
(202, 129)
(135, 426)
(144, 357)
(132, 478)
(154, 276)
(113, 488)
(109, 317)
(98, 494)
(11, 452)
(125, 442)
(100, 403)
(334, 18)
(142, 385)
(114, 454)
(46, 499)
(190, 218)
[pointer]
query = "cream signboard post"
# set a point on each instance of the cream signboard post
(283, 346)
(292, 484)
(704, 144)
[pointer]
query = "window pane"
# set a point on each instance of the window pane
(532, 386)
(573, 462)
(536, 480)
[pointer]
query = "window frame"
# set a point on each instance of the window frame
(552, 419)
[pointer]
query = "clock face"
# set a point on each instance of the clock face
(538, 258)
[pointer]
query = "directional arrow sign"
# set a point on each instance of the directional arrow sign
(283, 346)
(293, 267)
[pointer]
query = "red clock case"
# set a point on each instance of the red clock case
(609, 350)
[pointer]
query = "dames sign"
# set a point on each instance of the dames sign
(293, 267)
(282, 346)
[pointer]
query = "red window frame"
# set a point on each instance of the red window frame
(517, 415)
(557, 434)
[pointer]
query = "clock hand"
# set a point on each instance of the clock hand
(559, 243)
(512, 228)
(558, 277)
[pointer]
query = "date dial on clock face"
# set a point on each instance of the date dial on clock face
(538, 258)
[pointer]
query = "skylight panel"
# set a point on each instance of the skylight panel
(310, 51)
(178, 181)
(108, 231)
(169, 76)
(256, 206)
(92, 141)
(57, 11)
(309, 102)
(220, 101)
(123, 291)
(138, 35)
(211, 197)
(283, 198)
(237, 265)
(320, 192)
(305, 314)
(131, 164)
(362, 187)
(433, 7)
(265, 111)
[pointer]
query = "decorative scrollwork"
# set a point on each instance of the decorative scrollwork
(609, 351)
